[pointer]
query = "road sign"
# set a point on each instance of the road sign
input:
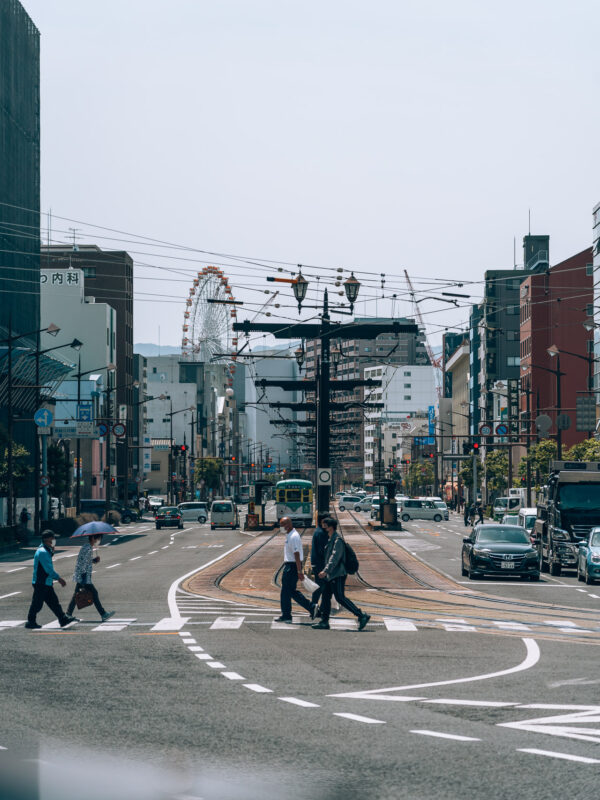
(119, 430)
(85, 430)
(502, 429)
(485, 429)
(138, 479)
(563, 422)
(585, 414)
(543, 423)
(102, 428)
(43, 418)
(44, 431)
(44, 481)
(323, 477)
(84, 412)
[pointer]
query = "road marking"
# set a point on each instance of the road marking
(151, 553)
(456, 625)
(358, 718)
(215, 664)
(135, 558)
(297, 702)
(562, 624)
(170, 624)
(189, 641)
(256, 687)
(551, 754)
(232, 676)
(203, 656)
(562, 725)
(512, 626)
(166, 547)
(226, 623)
(283, 626)
(474, 703)
(531, 659)
(596, 596)
(56, 624)
(10, 594)
(112, 566)
(16, 569)
(393, 624)
(195, 648)
(171, 598)
(447, 736)
(114, 625)
(11, 623)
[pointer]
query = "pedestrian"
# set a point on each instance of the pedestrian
(480, 512)
(467, 515)
(83, 575)
(24, 518)
(44, 575)
(292, 573)
(317, 558)
(334, 575)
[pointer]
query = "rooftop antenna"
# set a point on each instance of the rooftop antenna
(514, 252)
(74, 235)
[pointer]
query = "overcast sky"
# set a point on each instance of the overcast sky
(382, 136)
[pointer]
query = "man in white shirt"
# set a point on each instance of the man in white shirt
(292, 573)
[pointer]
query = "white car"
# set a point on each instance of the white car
(349, 501)
(195, 511)
(364, 504)
(510, 519)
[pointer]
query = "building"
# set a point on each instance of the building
(454, 415)
(109, 279)
(554, 306)
(407, 391)
(450, 342)
(475, 318)
(349, 359)
(596, 319)
(139, 437)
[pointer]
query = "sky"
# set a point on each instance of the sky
(393, 135)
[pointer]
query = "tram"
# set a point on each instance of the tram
(294, 499)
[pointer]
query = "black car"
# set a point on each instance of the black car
(168, 516)
(499, 550)
(98, 507)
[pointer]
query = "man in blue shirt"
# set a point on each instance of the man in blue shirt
(43, 577)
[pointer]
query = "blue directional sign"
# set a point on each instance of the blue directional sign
(502, 429)
(43, 418)
(102, 429)
(84, 412)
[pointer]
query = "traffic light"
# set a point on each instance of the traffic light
(183, 448)
(475, 447)
(466, 448)
(233, 459)
(113, 481)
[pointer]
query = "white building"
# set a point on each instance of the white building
(407, 391)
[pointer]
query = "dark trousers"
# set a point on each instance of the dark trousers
(44, 594)
(316, 595)
(336, 587)
(90, 587)
(289, 579)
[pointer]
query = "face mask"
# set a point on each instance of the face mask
(52, 543)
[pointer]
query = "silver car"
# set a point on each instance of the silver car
(421, 509)
(350, 501)
(193, 512)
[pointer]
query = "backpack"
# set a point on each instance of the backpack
(350, 559)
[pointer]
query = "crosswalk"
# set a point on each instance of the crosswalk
(221, 617)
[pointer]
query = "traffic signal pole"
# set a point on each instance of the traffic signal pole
(323, 407)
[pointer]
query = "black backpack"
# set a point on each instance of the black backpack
(350, 559)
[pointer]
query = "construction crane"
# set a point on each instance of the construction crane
(435, 362)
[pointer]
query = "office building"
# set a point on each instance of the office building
(596, 318)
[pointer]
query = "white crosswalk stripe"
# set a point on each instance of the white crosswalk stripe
(393, 624)
(10, 623)
(114, 625)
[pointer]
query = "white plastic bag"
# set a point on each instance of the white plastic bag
(308, 585)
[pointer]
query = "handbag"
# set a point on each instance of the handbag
(308, 585)
(83, 598)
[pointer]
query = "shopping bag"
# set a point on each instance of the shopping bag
(83, 598)
(308, 585)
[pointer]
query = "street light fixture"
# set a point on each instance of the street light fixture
(299, 354)
(300, 285)
(351, 287)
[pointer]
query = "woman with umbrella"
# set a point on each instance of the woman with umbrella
(85, 561)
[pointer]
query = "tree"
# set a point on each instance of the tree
(420, 475)
(59, 467)
(539, 456)
(20, 466)
(588, 450)
(496, 471)
(466, 473)
(210, 471)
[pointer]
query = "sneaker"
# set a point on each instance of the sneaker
(107, 615)
(67, 620)
(362, 621)
(321, 626)
(284, 619)
(32, 625)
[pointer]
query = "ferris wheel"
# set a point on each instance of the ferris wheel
(207, 327)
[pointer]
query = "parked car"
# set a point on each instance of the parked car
(588, 561)
(98, 507)
(349, 501)
(364, 504)
(168, 517)
(224, 514)
(509, 519)
(420, 509)
(499, 549)
(194, 511)
(375, 503)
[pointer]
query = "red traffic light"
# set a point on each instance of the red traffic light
(183, 448)
(475, 446)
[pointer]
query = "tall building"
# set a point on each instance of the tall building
(596, 319)
(109, 279)
(554, 306)
(349, 359)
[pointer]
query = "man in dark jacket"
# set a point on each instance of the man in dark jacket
(334, 574)
(43, 577)
(317, 558)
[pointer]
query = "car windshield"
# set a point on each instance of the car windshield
(510, 520)
(579, 496)
(508, 533)
(169, 510)
(595, 542)
(501, 502)
(530, 521)
(439, 504)
(221, 508)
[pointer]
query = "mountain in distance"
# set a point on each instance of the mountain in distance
(150, 349)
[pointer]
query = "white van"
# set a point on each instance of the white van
(224, 514)
(194, 511)
(527, 518)
(506, 505)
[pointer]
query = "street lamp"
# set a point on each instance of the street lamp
(351, 287)
(299, 355)
(300, 285)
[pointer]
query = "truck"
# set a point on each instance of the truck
(567, 509)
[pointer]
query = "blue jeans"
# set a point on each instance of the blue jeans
(289, 579)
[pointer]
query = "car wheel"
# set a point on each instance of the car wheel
(579, 573)
(357, 508)
(157, 526)
(471, 573)
(588, 580)
(126, 520)
(405, 518)
(555, 569)
(534, 577)
(437, 518)
(342, 508)
(463, 571)
(180, 526)
(212, 527)
(202, 520)
(545, 565)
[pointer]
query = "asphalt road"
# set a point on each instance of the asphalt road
(178, 698)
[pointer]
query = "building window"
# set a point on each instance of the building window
(155, 466)
(512, 309)
(89, 272)
(513, 361)
(149, 420)
(407, 374)
(589, 269)
(407, 397)
(512, 336)
(407, 385)
(590, 309)
(154, 370)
